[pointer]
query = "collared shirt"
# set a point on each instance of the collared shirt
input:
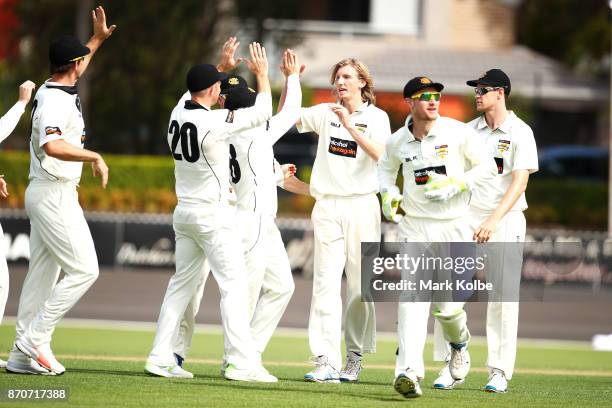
(198, 141)
(253, 172)
(450, 148)
(56, 114)
(341, 167)
(513, 147)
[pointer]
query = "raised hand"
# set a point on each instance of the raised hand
(25, 91)
(101, 31)
(290, 64)
(258, 63)
(228, 61)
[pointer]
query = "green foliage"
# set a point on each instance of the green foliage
(567, 203)
(573, 31)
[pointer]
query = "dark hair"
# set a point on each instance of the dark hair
(60, 69)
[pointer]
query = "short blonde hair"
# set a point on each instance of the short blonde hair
(367, 92)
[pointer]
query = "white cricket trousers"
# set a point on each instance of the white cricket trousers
(59, 240)
(341, 224)
(206, 233)
(412, 315)
(269, 275)
(502, 317)
(4, 276)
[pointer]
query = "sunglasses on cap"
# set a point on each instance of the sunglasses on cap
(480, 91)
(427, 96)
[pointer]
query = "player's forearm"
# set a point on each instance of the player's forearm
(296, 186)
(291, 95)
(372, 148)
(263, 84)
(9, 121)
(93, 44)
(387, 175)
(62, 150)
(485, 169)
(517, 187)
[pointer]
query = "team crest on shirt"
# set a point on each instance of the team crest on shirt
(361, 127)
(503, 146)
(53, 130)
(442, 151)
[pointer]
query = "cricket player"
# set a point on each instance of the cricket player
(255, 181)
(198, 140)
(351, 137)
(441, 161)
(496, 210)
(59, 235)
(8, 122)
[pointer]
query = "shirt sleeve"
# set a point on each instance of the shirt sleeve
(52, 121)
(241, 119)
(382, 128)
(9, 121)
(481, 165)
(289, 115)
(525, 152)
(312, 119)
(387, 168)
(278, 172)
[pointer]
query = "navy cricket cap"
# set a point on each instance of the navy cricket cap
(66, 49)
(203, 76)
(233, 82)
(237, 98)
(418, 83)
(493, 77)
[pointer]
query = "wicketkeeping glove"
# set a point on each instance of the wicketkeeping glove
(442, 188)
(390, 203)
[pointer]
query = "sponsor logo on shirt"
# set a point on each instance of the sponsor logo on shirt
(334, 124)
(230, 117)
(421, 176)
(51, 130)
(503, 146)
(411, 158)
(341, 147)
(500, 164)
(442, 151)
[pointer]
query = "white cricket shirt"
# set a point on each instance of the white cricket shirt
(341, 167)
(252, 156)
(198, 141)
(450, 148)
(10, 120)
(513, 147)
(56, 114)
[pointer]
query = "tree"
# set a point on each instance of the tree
(575, 32)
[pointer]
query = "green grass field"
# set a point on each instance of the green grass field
(105, 369)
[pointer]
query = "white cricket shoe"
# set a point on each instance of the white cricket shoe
(19, 363)
(459, 364)
(2, 363)
(407, 384)
(350, 372)
(445, 380)
(169, 371)
(497, 381)
(41, 354)
(258, 374)
(323, 372)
